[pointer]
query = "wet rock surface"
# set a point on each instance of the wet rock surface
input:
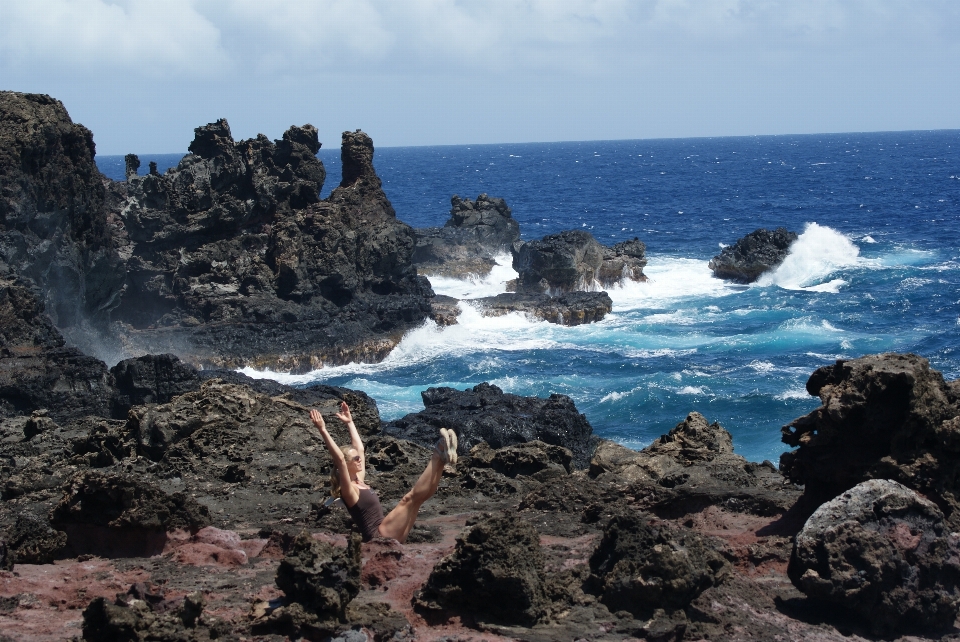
(486, 413)
(883, 416)
(758, 252)
(573, 308)
(474, 235)
(884, 552)
(573, 261)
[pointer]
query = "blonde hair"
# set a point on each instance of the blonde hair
(335, 474)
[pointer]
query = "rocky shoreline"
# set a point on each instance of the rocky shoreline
(157, 501)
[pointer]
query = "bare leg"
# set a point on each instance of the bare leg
(399, 521)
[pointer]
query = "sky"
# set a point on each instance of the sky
(143, 74)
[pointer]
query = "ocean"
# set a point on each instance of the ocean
(876, 269)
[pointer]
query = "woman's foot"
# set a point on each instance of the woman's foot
(450, 437)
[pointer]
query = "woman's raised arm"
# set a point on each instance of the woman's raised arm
(348, 491)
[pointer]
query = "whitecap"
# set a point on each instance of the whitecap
(693, 390)
(491, 284)
(868, 239)
(817, 253)
(796, 393)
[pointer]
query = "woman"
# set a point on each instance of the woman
(349, 470)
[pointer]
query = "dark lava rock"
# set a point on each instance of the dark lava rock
(118, 501)
(495, 573)
(692, 467)
(643, 565)
(32, 541)
(752, 255)
(573, 260)
(885, 416)
(532, 458)
(37, 370)
(322, 578)
(486, 413)
(883, 551)
(572, 308)
(131, 619)
(53, 229)
(467, 244)
(235, 261)
(151, 379)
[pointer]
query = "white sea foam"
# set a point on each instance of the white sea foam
(490, 285)
(817, 253)
(796, 393)
(669, 279)
(868, 239)
(762, 366)
(693, 390)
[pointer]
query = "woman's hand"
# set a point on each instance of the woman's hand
(318, 421)
(344, 414)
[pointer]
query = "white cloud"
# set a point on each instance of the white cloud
(145, 38)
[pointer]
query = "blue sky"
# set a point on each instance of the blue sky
(142, 74)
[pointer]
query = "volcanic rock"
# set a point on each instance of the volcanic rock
(486, 413)
(322, 578)
(494, 573)
(468, 243)
(572, 308)
(151, 379)
(692, 467)
(885, 416)
(643, 565)
(234, 260)
(37, 370)
(573, 260)
(32, 541)
(752, 255)
(132, 619)
(881, 550)
(53, 229)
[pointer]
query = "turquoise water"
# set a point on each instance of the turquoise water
(877, 268)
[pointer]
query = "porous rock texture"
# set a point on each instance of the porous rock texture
(144, 615)
(573, 260)
(53, 229)
(572, 308)
(321, 580)
(887, 416)
(234, 260)
(756, 253)
(486, 413)
(882, 551)
(495, 572)
(645, 565)
(469, 242)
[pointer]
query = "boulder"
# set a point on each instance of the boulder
(121, 501)
(495, 573)
(570, 309)
(643, 565)
(573, 260)
(150, 379)
(33, 541)
(887, 416)
(140, 615)
(884, 552)
(320, 577)
(692, 467)
(474, 235)
(756, 253)
(486, 413)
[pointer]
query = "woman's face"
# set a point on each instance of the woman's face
(353, 460)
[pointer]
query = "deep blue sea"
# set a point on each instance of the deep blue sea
(876, 269)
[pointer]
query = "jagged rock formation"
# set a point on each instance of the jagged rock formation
(234, 260)
(37, 370)
(884, 552)
(691, 467)
(53, 229)
(494, 573)
(486, 413)
(467, 244)
(573, 260)
(752, 255)
(645, 565)
(885, 416)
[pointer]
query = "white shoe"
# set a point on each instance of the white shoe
(450, 445)
(441, 449)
